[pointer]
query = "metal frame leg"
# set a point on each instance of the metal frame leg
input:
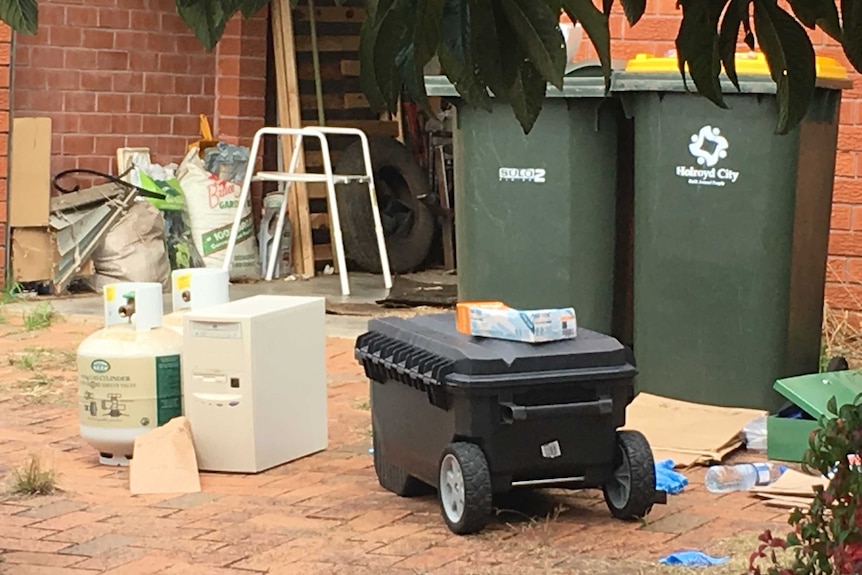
(279, 226)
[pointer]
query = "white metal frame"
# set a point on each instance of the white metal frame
(326, 177)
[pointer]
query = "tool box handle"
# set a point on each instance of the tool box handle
(513, 412)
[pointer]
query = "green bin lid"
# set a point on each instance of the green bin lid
(812, 392)
(583, 79)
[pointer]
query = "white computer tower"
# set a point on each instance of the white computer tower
(254, 382)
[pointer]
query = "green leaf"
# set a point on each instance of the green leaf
(496, 68)
(367, 73)
(607, 6)
(537, 27)
(392, 38)
(411, 73)
(697, 46)
(207, 20)
(456, 57)
(527, 95)
(595, 24)
(790, 56)
(851, 16)
(821, 13)
(426, 29)
(727, 38)
(633, 10)
(832, 405)
(21, 15)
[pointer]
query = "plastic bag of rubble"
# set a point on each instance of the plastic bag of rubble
(227, 161)
(133, 250)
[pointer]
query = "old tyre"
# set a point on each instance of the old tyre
(465, 488)
(408, 224)
(630, 493)
(395, 479)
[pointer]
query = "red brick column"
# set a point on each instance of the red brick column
(240, 86)
(5, 62)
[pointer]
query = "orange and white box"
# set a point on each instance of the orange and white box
(494, 319)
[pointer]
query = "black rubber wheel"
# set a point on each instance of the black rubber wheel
(838, 363)
(630, 493)
(408, 224)
(396, 480)
(465, 488)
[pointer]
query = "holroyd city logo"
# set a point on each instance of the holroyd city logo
(709, 148)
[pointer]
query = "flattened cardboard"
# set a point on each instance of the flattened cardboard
(164, 460)
(30, 172)
(688, 433)
(34, 254)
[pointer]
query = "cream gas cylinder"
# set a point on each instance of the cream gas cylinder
(195, 289)
(129, 373)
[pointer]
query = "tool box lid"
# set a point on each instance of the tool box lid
(812, 393)
(474, 360)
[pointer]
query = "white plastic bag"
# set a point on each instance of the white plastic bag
(211, 205)
(755, 434)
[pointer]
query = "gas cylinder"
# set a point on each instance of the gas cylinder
(195, 289)
(129, 372)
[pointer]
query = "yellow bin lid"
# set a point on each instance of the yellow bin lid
(749, 64)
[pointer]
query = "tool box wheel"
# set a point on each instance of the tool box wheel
(630, 492)
(394, 479)
(465, 488)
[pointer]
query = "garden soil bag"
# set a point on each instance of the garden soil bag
(211, 205)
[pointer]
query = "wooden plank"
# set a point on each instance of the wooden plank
(30, 172)
(330, 101)
(317, 191)
(354, 101)
(329, 44)
(323, 252)
(350, 68)
(331, 14)
(371, 128)
(314, 159)
(328, 72)
(319, 220)
(290, 115)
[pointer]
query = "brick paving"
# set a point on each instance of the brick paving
(322, 514)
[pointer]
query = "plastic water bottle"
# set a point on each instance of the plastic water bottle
(742, 477)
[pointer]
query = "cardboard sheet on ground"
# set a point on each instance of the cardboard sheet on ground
(793, 483)
(689, 433)
(165, 461)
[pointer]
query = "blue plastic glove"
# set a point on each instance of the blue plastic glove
(692, 559)
(668, 480)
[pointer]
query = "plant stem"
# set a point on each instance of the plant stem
(315, 55)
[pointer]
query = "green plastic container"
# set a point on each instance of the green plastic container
(787, 435)
(535, 214)
(731, 229)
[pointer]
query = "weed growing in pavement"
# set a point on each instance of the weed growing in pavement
(10, 292)
(363, 405)
(33, 480)
(44, 358)
(40, 318)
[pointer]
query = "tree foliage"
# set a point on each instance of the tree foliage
(513, 49)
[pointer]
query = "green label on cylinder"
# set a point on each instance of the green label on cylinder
(169, 398)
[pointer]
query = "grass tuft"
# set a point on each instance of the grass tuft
(33, 480)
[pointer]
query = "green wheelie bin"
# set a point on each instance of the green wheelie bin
(731, 226)
(535, 214)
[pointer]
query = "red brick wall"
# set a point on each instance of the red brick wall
(655, 34)
(115, 73)
(5, 53)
